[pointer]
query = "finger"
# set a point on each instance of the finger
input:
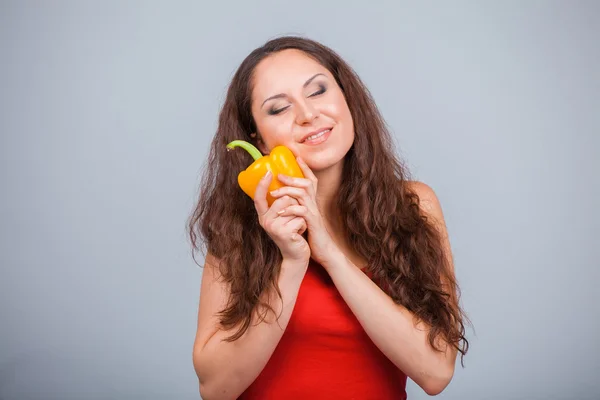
(297, 193)
(304, 183)
(294, 181)
(303, 228)
(297, 226)
(275, 224)
(307, 171)
(278, 223)
(260, 194)
(278, 205)
(297, 211)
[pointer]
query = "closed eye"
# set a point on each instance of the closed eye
(321, 90)
(273, 111)
(277, 111)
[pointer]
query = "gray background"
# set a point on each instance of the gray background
(107, 109)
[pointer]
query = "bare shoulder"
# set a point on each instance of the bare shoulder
(430, 206)
(429, 202)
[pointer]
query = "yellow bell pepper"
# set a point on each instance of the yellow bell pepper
(281, 160)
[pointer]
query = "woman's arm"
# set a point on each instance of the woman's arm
(389, 325)
(226, 369)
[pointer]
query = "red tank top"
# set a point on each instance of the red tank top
(325, 353)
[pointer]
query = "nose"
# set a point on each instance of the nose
(306, 113)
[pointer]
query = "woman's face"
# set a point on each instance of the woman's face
(297, 103)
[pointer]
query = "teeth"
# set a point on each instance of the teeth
(318, 135)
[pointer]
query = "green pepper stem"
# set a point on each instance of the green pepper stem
(250, 148)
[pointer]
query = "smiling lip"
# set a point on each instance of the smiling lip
(320, 139)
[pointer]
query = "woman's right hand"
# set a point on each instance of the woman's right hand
(286, 232)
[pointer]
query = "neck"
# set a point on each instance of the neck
(328, 188)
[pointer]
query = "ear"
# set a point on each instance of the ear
(260, 145)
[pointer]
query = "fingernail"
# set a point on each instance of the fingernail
(280, 212)
(267, 175)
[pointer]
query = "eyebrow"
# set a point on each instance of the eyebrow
(280, 95)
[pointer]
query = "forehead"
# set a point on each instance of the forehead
(287, 69)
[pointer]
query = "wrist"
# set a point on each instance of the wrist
(335, 258)
(292, 266)
(294, 263)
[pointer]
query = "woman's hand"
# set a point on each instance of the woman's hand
(304, 190)
(286, 231)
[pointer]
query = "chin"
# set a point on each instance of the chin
(324, 161)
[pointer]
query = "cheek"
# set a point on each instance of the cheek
(338, 109)
(275, 131)
(344, 117)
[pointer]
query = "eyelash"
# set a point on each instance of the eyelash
(322, 89)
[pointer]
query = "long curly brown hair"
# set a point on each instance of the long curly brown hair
(380, 213)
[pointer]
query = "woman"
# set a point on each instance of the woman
(344, 286)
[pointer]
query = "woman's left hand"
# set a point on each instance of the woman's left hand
(304, 190)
